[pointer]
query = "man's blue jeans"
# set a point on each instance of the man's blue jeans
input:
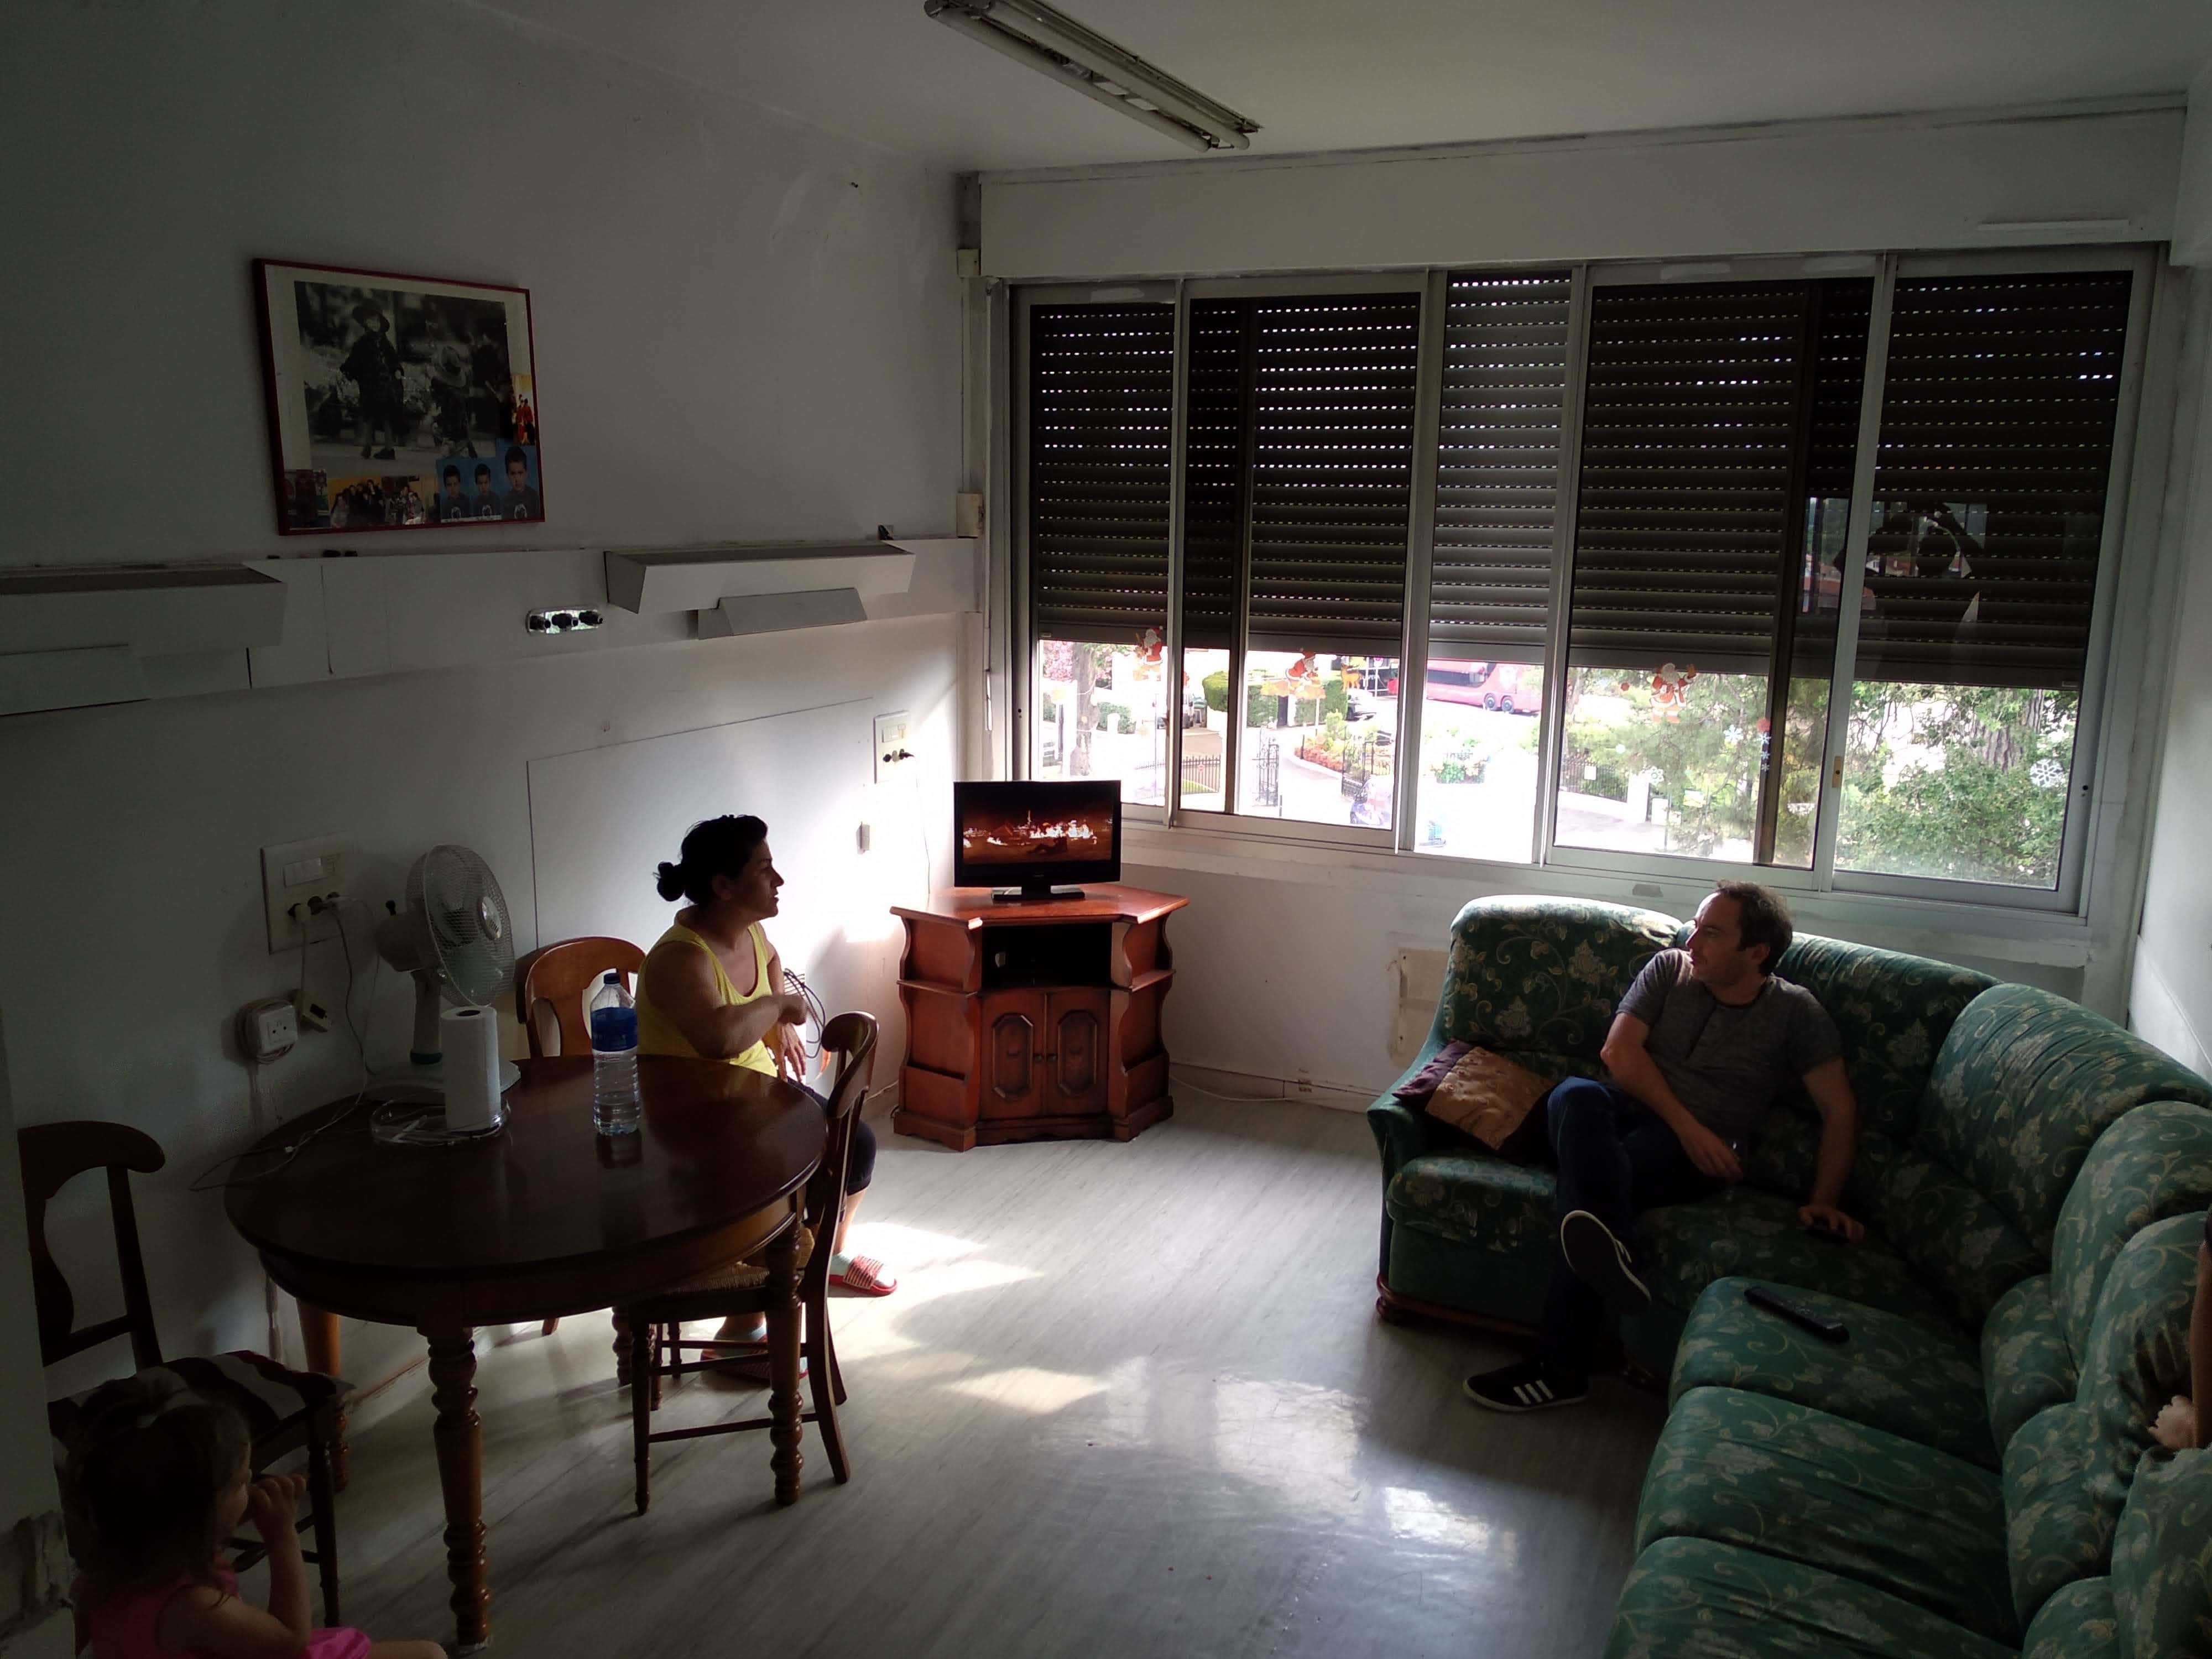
(1616, 1157)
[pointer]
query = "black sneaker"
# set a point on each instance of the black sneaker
(1601, 1261)
(1530, 1386)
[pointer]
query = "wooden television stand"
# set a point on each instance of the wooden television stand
(1035, 1021)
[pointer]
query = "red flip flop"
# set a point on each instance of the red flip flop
(864, 1276)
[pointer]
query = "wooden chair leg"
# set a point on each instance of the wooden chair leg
(322, 1500)
(641, 1409)
(821, 1369)
(837, 1376)
(548, 1328)
(622, 1349)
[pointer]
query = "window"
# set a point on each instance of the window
(1981, 575)
(1719, 435)
(1492, 556)
(1298, 462)
(1796, 571)
(1101, 402)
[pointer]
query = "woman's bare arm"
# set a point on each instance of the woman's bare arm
(680, 979)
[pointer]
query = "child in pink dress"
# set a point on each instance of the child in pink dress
(158, 1478)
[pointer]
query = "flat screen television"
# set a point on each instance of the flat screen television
(1034, 840)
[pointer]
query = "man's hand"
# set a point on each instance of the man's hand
(794, 1009)
(272, 1507)
(2176, 1428)
(1712, 1155)
(1830, 1220)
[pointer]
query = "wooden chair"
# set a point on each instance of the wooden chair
(551, 985)
(284, 1409)
(655, 1324)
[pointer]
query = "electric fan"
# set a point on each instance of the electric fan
(453, 935)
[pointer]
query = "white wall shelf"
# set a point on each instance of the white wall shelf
(76, 635)
(655, 580)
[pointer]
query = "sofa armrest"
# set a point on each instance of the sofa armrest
(1401, 1133)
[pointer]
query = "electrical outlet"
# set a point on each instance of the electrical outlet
(267, 1030)
(312, 1015)
(894, 758)
(1305, 1081)
(301, 881)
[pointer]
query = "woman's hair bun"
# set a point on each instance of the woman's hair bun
(671, 881)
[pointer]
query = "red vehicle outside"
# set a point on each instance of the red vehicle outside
(1511, 688)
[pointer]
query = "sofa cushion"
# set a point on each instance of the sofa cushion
(1544, 973)
(2027, 1365)
(1473, 1198)
(1690, 1598)
(2162, 1559)
(2025, 1082)
(1906, 1376)
(2155, 1162)
(1941, 1225)
(1806, 1486)
(2078, 1622)
(1745, 1231)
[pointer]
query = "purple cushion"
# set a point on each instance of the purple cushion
(1416, 1090)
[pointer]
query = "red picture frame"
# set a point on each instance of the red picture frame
(398, 402)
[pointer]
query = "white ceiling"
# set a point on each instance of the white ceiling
(1323, 75)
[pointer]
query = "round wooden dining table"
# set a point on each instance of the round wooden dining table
(544, 1218)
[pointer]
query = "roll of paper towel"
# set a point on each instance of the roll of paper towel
(470, 1039)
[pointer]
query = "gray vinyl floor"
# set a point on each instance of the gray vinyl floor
(1128, 1400)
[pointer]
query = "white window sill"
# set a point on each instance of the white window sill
(1922, 926)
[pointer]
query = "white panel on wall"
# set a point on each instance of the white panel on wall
(603, 819)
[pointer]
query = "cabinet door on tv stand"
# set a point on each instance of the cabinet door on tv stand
(1016, 1041)
(1076, 1021)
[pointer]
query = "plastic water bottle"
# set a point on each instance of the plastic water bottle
(616, 1109)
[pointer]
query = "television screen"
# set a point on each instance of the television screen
(1036, 835)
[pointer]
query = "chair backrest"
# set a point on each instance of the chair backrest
(53, 1155)
(851, 1038)
(549, 987)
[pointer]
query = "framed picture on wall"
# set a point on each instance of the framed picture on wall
(398, 403)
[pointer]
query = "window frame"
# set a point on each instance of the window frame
(1584, 866)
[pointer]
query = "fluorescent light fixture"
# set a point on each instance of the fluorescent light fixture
(1032, 33)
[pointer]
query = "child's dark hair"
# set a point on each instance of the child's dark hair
(720, 846)
(148, 1464)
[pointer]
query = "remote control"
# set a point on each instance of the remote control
(1828, 1330)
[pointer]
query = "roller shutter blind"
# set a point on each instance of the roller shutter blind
(1101, 389)
(1990, 483)
(1315, 394)
(1699, 457)
(1497, 465)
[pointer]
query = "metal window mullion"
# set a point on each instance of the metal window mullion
(1552, 735)
(1421, 550)
(1172, 670)
(1851, 577)
(1020, 636)
(1248, 369)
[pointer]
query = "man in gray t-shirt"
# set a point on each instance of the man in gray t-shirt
(1706, 1042)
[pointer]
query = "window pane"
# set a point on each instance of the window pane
(1965, 782)
(1100, 712)
(1667, 763)
(1980, 587)
(1319, 737)
(1477, 791)
(1205, 729)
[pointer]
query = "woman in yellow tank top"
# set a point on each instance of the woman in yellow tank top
(713, 988)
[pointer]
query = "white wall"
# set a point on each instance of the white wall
(745, 328)
(1894, 182)
(2171, 999)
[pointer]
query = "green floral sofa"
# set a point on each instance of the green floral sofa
(1970, 1473)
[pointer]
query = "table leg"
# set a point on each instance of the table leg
(460, 1434)
(319, 1342)
(784, 1426)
